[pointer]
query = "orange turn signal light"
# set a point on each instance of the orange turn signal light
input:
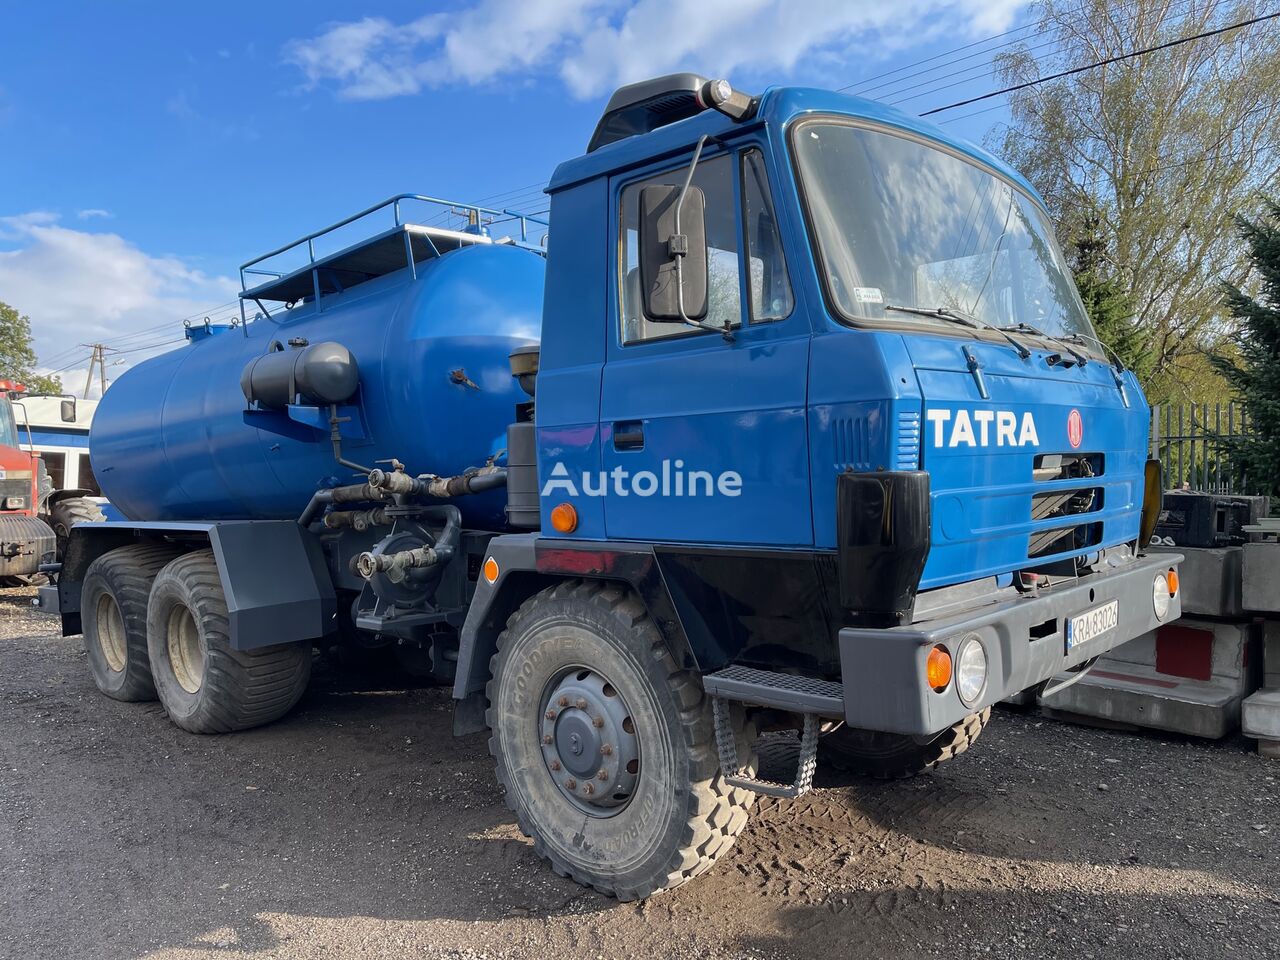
(938, 668)
(1172, 577)
(564, 518)
(491, 570)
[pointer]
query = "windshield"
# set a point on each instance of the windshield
(901, 223)
(8, 426)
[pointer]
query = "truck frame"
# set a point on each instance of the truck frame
(748, 490)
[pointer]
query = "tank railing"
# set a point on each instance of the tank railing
(474, 213)
(476, 223)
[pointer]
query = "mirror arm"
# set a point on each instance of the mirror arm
(678, 248)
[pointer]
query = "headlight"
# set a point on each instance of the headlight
(971, 670)
(1160, 596)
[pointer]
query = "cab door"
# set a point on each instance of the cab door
(704, 439)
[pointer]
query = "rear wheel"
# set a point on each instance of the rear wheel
(894, 756)
(204, 684)
(66, 513)
(113, 614)
(606, 747)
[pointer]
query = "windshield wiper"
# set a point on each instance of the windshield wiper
(1116, 365)
(1080, 358)
(964, 319)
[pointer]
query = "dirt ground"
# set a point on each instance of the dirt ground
(359, 827)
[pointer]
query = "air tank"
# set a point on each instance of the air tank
(174, 438)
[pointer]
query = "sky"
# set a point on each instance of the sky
(147, 149)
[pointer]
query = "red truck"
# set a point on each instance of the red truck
(34, 518)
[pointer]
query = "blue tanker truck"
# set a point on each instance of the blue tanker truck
(794, 421)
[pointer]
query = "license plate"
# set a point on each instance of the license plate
(1092, 624)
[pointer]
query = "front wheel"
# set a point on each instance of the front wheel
(606, 747)
(65, 514)
(894, 756)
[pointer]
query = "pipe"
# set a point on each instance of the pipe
(355, 493)
(443, 488)
(397, 565)
(360, 520)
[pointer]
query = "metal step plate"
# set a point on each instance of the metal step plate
(784, 691)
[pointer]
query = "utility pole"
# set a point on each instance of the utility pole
(99, 360)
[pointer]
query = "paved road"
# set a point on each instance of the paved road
(358, 827)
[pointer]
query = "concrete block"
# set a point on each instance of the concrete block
(1260, 715)
(1189, 676)
(1210, 579)
(1261, 577)
(1271, 654)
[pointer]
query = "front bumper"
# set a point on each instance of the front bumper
(883, 670)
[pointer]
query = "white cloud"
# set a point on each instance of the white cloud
(595, 45)
(94, 212)
(81, 287)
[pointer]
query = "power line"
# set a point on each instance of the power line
(947, 53)
(990, 64)
(1103, 63)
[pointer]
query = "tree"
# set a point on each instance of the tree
(1252, 365)
(18, 357)
(1107, 301)
(1164, 149)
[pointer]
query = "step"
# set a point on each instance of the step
(785, 691)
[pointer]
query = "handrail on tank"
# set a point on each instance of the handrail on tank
(470, 209)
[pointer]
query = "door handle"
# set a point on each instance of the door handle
(628, 435)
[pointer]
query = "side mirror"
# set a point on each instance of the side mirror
(673, 233)
(69, 411)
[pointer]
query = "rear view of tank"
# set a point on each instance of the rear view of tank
(325, 474)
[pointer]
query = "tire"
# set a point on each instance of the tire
(205, 685)
(649, 828)
(895, 756)
(113, 605)
(66, 513)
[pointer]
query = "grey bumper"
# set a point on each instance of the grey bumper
(883, 671)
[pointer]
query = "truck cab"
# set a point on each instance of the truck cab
(858, 448)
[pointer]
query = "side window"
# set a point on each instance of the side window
(715, 178)
(769, 286)
(87, 480)
(56, 464)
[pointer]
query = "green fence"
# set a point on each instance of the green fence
(1193, 444)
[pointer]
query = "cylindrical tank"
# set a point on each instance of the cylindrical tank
(173, 439)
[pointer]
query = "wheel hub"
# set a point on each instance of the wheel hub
(111, 635)
(589, 742)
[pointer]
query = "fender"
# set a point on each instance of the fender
(273, 573)
(70, 493)
(527, 564)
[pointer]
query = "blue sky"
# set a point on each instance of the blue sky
(146, 149)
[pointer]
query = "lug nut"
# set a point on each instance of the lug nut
(602, 774)
(581, 704)
(563, 701)
(571, 783)
(555, 764)
(547, 738)
(597, 722)
(551, 714)
(606, 750)
(588, 789)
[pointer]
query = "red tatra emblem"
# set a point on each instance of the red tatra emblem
(1075, 428)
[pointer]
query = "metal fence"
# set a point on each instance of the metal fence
(1192, 443)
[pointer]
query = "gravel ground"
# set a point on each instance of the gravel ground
(359, 827)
